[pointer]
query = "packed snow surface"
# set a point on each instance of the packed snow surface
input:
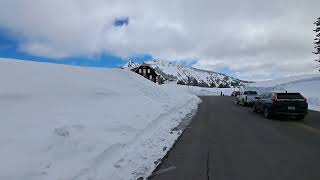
(61, 122)
(201, 91)
(308, 85)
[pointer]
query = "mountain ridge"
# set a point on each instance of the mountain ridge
(183, 75)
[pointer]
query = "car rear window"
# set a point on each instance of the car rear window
(289, 96)
(250, 92)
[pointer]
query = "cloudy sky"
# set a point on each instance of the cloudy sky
(250, 39)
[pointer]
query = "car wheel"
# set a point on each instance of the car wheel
(300, 117)
(266, 113)
(243, 103)
(254, 108)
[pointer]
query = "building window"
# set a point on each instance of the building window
(148, 70)
(139, 70)
(150, 76)
(144, 71)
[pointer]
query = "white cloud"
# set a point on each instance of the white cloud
(255, 39)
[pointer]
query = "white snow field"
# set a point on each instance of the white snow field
(62, 122)
(201, 91)
(308, 85)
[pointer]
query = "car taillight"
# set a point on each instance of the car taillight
(275, 99)
(304, 98)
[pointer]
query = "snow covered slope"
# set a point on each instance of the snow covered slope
(308, 85)
(130, 64)
(201, 91)
(179, 74)
(284, 80)
(64, 122)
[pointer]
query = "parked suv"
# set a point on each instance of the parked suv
(247, 97)
(281, 103)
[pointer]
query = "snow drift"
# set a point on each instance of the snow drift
(308, 85)
(64, 122)
(201, 91)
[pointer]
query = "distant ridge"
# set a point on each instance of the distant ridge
(172, 72)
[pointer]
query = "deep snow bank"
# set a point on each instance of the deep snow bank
(308, 85)
(63, 122)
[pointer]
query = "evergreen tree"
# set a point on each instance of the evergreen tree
(317, 39)
(181, 82)
(195, 82)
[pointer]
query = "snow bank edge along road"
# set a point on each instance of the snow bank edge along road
(308, 85)
(64, 122)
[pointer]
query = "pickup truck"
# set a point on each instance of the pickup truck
(247, 97)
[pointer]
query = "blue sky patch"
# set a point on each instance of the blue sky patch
(9, 48)
(121, 21)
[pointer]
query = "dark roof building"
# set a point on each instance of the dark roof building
(147, 71)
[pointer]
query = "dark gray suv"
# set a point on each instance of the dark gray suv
(281, 103)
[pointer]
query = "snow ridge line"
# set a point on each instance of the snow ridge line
(300, 80)
(288, 83)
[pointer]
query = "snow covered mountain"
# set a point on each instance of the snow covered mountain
(130, 65)
(181, 74)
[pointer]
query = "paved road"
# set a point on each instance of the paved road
(229, 142)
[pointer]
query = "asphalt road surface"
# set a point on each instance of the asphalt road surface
(226, 141)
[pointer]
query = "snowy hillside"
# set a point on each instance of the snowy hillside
(284, 80)
(65, 122)
(308, 85)
(179, 74)
(201, 91)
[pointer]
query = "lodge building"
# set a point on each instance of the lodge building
(147, 71)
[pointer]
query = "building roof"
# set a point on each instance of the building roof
(145, 64)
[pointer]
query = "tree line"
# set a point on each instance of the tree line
(317, 40)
